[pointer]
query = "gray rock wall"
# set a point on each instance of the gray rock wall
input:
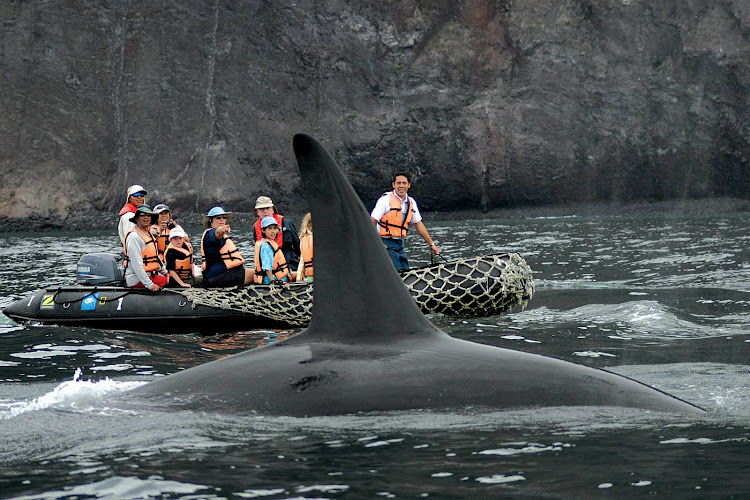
(489, 103)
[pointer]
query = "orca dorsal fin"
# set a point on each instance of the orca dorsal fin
(358, 295)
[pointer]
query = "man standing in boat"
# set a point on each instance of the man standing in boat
(134, 198)
(393, 213)
(143, 267)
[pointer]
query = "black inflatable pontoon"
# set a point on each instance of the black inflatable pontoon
(479, 286)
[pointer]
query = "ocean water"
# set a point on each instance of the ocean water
(664, 299)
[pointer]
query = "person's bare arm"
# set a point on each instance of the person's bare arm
(176, 277)
(422, 230)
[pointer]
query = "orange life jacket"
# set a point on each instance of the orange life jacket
(228, 253)
(163, 242)
(279, 236)
(391, 225)
(280, 269)
(184, 266)
(151, 260)
(306, 252)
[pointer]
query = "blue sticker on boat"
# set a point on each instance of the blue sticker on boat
(89, 302)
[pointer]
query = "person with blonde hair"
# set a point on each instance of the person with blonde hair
(305, 267)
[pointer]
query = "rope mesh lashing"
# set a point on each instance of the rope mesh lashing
(479, 286)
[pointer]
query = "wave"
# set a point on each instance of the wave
(75, 394)
(636, 319)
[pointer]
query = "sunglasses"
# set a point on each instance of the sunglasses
(220, 217)
(138, 195)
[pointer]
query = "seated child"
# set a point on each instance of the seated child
(270, 264)
(179, 258)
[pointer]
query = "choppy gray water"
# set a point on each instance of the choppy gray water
(663, 299)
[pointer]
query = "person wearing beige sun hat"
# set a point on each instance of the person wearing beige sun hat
(287, 238)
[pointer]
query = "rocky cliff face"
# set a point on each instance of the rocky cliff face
(488, 103)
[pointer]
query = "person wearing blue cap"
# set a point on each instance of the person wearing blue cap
(222, 263)
(270, 263)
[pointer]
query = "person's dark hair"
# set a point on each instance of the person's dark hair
(404, 174)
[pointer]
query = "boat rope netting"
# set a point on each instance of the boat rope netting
(480, 286)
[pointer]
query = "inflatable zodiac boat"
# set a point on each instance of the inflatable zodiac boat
(478, 286)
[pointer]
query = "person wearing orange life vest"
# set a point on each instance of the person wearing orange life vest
(305, 268)
(143, 267)
(222, 262)
(270, 264)
(162, 228)
(136, 196)
(393, 213)
(286, 238)
(178, 258)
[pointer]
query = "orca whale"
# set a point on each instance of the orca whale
(368, 347)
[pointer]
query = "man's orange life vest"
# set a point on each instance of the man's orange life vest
(393, 224)
(279, 270)
(306, 252)
(183, 266)
(279, 236)
(228, 253)
(151, 260)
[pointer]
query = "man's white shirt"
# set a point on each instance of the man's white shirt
(383, 205)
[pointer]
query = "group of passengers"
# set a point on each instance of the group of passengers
(158, 252)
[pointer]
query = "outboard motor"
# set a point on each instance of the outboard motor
(100, 269)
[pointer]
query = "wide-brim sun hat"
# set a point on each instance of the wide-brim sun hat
(213, 213)
(263, 202)
(135, 188)
(268, 221)
(145, 210)
(177, 232)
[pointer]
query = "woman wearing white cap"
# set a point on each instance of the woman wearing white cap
(135, 197)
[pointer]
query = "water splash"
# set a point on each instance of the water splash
(76, 394)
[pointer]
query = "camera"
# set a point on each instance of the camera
(171, 224)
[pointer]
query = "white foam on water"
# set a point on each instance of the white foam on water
(75, 394)
(259, 493)
(526, 448)
(500, 479)
(123, 488)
